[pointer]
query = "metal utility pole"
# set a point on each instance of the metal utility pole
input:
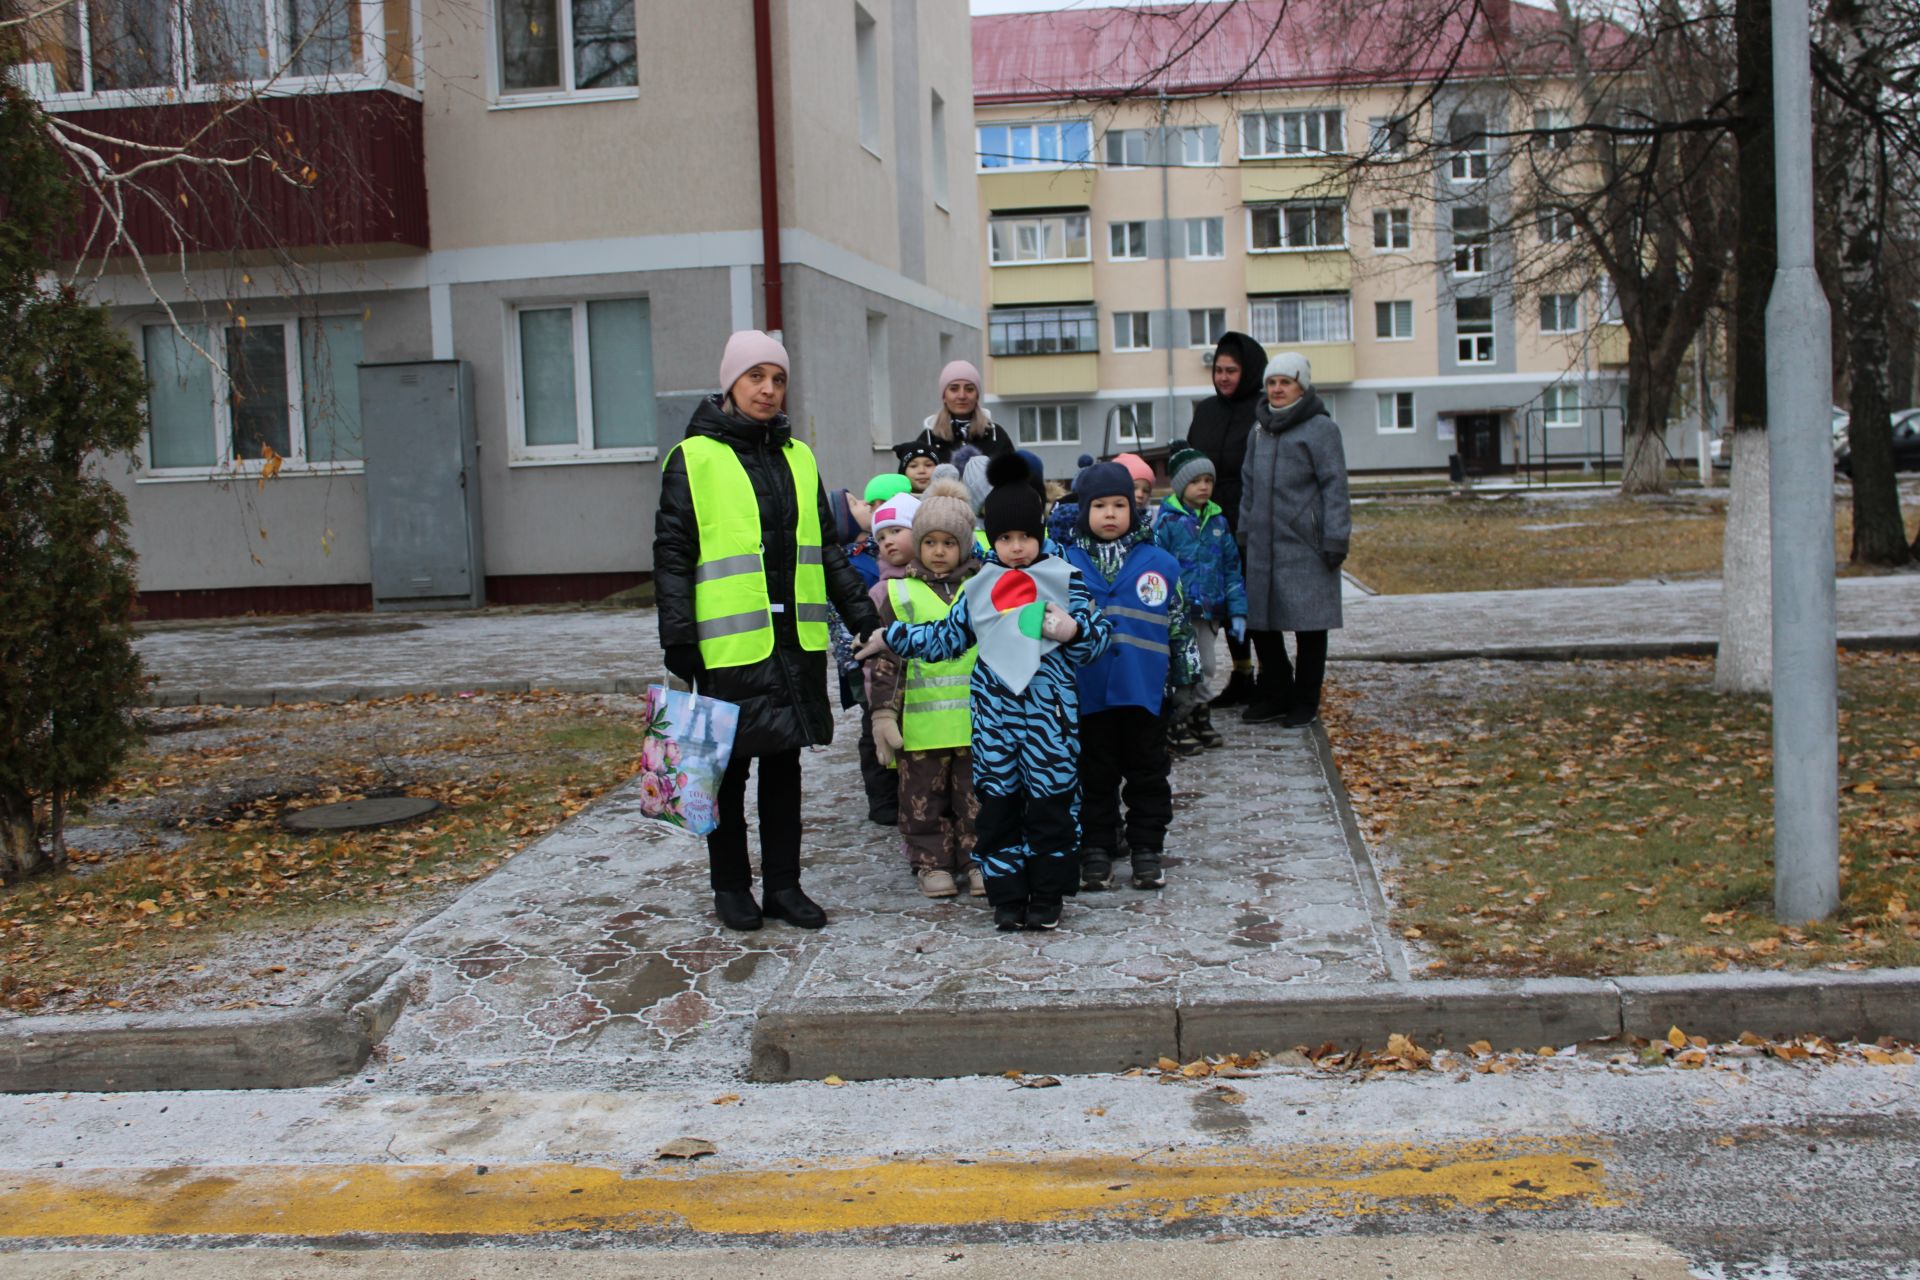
(1806, 767)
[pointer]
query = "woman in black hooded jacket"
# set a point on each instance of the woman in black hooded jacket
(782, 697)
(1221, 424)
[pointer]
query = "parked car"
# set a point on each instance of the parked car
(1720, 448)
(1906, 445)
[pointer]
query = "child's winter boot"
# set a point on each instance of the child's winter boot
(1096, 869)
(1202, 724)
(1147, 872)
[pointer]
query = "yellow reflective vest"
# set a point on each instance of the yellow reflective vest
(934, 711)
(733, 616)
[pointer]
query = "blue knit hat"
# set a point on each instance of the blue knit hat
(1036, 471)
(1104, 480)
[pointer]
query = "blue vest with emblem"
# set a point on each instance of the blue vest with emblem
(1133, 671)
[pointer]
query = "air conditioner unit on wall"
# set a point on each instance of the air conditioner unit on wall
(1206, 358)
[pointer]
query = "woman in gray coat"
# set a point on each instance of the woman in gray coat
(1294, 525)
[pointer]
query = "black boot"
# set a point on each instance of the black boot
(1096, 869)
(737, 909)
(1239, 690)
(1010, 917)
(1264, 709)
(795, 907)
(1043, 911)
(1202, 726)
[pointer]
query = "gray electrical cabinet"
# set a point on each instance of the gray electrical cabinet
(423, 485)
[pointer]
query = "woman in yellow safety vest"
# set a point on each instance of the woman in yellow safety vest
(744, 577)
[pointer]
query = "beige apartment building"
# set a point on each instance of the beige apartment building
(562, 204)
(1125, 230)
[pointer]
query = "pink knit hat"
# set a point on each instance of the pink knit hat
(1136, 466)
(746, 349)
(958, 371)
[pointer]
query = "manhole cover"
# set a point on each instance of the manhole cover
(352, 815)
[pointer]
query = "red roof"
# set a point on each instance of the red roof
(1200, 48)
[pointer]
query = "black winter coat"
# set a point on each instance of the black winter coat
(1221, 425)
(783, 698)
(995, 443)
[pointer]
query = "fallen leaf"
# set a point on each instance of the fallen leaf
(1676, 1037)
(1039, 1082)
(687, 1149)
(1227, 1094)
(726, 1100)
(834, 1081)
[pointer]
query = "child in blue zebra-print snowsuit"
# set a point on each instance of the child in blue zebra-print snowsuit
(1026, 745)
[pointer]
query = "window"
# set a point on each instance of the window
(565, 46)
(1298, 224)
(1199, 144)
(1468, 143)
(1133, 422)
(1054, 237)
(1559, 313)
(866, 65)
(1470, 237)
(585, 381)
(1049, 424)
(1393, 320)
(1131, 331)
(1609, 302)
(98, 46)
(1308, 319)
(879, 380)
(1126, 241)
(1392, 229)
(1292, 133)
(1393, 412)
(937, 123)
(1557, 227)
(1041, 331)
(1560, 407)
(1206, 326)
(1387, 137)
(1206, 237)
(1126, 148)
(1473, 330)
(1555, 127)
(1035, 146)
(292, 387)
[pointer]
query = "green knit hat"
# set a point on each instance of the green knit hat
(1187, 466)
(890, 484)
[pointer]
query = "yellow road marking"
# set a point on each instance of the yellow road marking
(533, 1199)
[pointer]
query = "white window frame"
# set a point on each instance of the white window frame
(519, 452)
(1259, 324)
(1040, 221)
(1476, 348)
(220, 416)
(1211, 228)
(1126, 423)
(1388, 137)
(1545, 118)
(1209, 339)
(866, 71)
(508, 99)
(1394, 312)
(1566, 307)
(1138, 243)
(1470, 249)
(1136, 327)
(1389, 405)
(1120, 140)
(1272, 128)
(1557, 401)
(1608, 307)
(1470, 162)
(1397, 223)
(1279, 209)
(1064, 432)
(1193, 139)
(1007, 164)
(1084, 322)
(1557, 226)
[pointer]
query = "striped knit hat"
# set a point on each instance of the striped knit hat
(1187, 466)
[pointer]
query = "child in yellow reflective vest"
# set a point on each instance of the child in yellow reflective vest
(921, 720)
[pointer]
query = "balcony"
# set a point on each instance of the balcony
(1066, 188)
(1610, 345)
(1266, 180)
(1020, 286)
(331, 169)
(1332, 361)
(1300, 271)
(1049, 375)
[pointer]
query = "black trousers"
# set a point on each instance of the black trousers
(1028, 846)
(730, 869)
(1240, 650)
(882, 783)
(1294, 685)
(1123, 760)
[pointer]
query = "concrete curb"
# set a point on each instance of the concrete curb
(1060, 1033)
(1392, 953)
(256, 697)
(1598, 650)
(329, 1036)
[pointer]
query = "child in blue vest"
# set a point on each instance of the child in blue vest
(1194, 530)
(1136, 586)
(1030, 617)
(920, 721)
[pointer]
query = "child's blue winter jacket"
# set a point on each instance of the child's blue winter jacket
(1209, 559)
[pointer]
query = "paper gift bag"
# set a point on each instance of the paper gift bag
(688, 742)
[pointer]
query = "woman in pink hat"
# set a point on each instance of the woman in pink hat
(962, 419)
(745, 569)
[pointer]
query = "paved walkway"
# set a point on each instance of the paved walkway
(367, 655)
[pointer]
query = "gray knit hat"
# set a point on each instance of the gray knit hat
(945, 471)
(1295, 366)
(945, 507)
(974, 475)
(1187, 466)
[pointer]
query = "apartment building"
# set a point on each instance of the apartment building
(1136, 204)
(564, 199)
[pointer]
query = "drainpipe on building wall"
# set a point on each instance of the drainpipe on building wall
(1166, 267)
(775, 319)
